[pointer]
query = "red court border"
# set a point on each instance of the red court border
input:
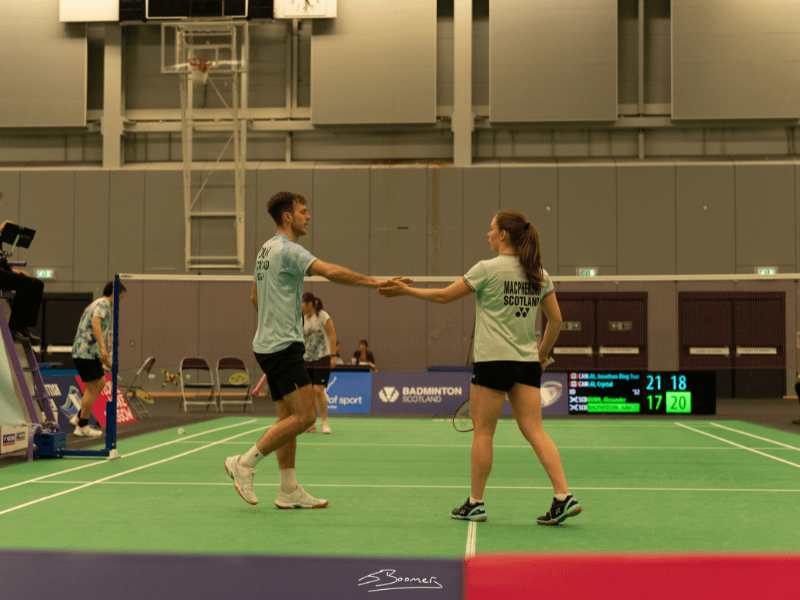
(639, 576)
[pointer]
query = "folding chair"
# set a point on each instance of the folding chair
(136, 384)
(200, 378)
(230, 373)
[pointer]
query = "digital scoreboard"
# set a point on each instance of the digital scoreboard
(642, 392)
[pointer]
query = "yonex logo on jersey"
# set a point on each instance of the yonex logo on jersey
(389, 394)
(522, 312)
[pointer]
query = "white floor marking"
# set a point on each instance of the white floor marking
(739, 445)
(439, 487)
(758, 437)
(472, 534)
(103, 462)
(158, 462)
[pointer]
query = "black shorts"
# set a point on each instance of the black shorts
(285, 370)
(319, 370)
(90, 369)
(503, 374)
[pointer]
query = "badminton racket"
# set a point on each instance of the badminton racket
(550, 392)
(144, 396)
(260, 383)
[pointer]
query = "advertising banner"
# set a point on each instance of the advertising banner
(441, 393)
(419, 393)
(66, 389)
(349, 393)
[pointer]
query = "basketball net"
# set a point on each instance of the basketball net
(199, 69)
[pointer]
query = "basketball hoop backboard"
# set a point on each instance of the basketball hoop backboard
(224, 43)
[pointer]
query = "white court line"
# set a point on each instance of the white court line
(32, 502)
(102, 462)
(472, 535)
(523, 447)
(739, 445)
(758, 437)
(439, 487)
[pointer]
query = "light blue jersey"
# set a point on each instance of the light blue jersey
(281, 266)
(85, 344)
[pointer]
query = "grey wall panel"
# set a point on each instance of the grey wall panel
(126, 222)
(131, 327)
(397, 332)
(44, 66)
(164, 225)
(91, 225)
(145, 85)
(47, 204)
(705, 218)
(444, 325)
(549, 62)
(735, 61)
(227, 322)
(349, 309)
(481, 204)
(9, 201)
(797, 213)
(375, 63)
(251, 242)
(533, 190)
(445, 224)
(172, 321)
(341, 199)
(662, 322)
(398, 223)
(765, 197)
(587, 224)
(645, 219)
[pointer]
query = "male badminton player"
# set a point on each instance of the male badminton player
(277, 290)
(509, 290)
(90, 354)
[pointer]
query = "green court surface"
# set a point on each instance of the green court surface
(652, 486)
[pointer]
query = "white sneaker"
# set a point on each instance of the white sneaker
(74, 420)
(87, 431)
(299, 499)
(325, 427)
(242, 479)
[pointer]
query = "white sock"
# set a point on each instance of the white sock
(251, 458)
(288, 481)
(474, 500)
(562, 497)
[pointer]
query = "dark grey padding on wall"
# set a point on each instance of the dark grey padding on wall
(735, 60)
(550, 61)
(375, 63)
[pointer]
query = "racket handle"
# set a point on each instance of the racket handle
(260, 383)
(548, 362)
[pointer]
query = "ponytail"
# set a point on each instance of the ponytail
(315, 302)
(525, 240)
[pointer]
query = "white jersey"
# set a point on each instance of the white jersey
(506, 304)
(317, 341)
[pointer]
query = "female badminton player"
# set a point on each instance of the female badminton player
(319, 336)
(509, 290)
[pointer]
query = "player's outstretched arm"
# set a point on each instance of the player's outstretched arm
(398, 287)
(342, 275)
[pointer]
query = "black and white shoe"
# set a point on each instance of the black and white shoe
(469, 512)
(560, 510)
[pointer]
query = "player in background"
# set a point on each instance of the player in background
(509, 289)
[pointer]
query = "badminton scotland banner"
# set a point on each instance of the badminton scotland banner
(419, 393)
(349, 393)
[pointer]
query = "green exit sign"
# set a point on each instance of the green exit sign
(45, 274)
(766, 270)
(587, 272)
